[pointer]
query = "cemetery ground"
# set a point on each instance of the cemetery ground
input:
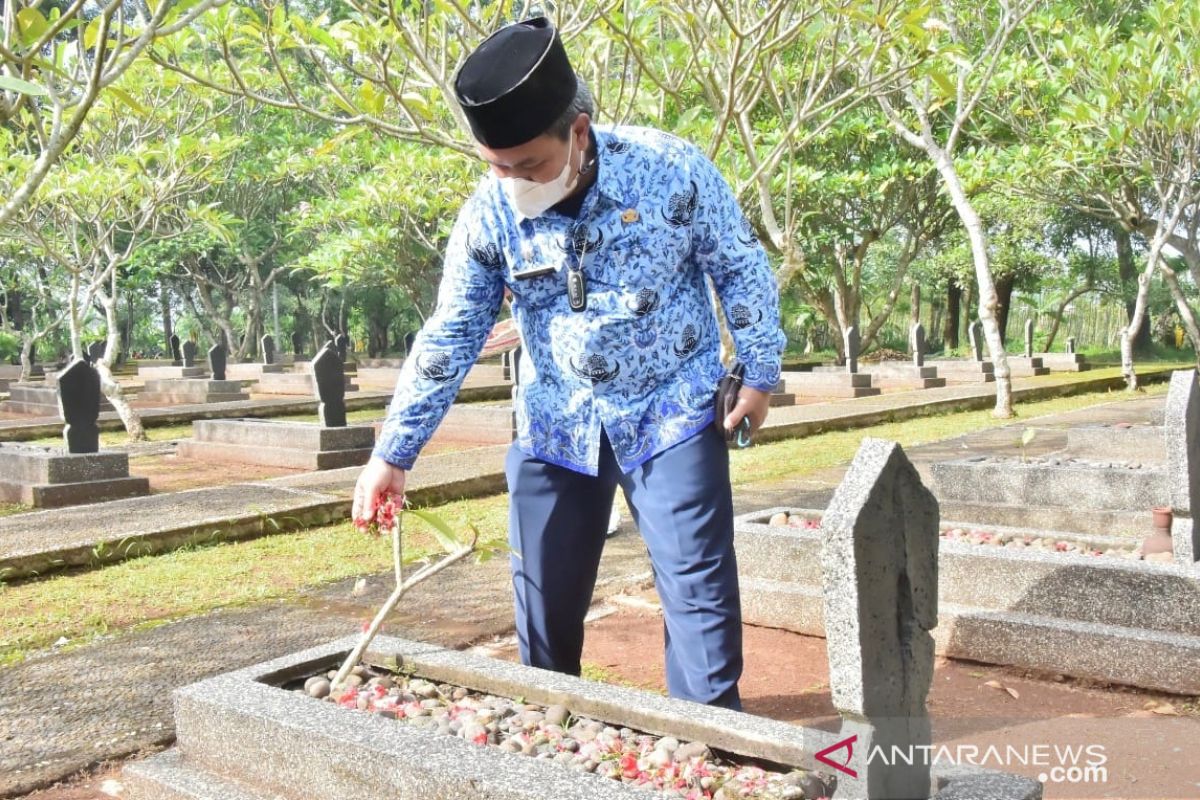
(91, 656)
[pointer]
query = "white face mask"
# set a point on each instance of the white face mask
(532, 199)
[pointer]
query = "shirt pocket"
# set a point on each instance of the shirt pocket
(652, 266)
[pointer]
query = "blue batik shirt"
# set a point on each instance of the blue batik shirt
(641, 363)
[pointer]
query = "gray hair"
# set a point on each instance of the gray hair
(581, 104)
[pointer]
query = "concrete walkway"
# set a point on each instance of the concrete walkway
(63, 712)
(37, 542)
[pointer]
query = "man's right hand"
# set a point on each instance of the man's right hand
(378, 478)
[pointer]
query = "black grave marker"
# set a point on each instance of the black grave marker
(79, 404)
(330, 378)
(218, 355)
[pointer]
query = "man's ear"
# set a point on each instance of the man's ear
(579, 129)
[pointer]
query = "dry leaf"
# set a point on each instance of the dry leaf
(994, 685)
(1166, 709)
(1013, 692)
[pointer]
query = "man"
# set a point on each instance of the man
(606, 239)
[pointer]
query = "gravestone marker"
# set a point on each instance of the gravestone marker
(217, 358)
(409, 339)
(853, 343)
(189, 353)
(330, 379)
(1181, 428)
(1029, 338)
(95, 350)
(297, 343)
(268, 349)
(916, 338)
(176, 355)
(342, 343)
(1071, 344)
(79, 405)
(975, 334)
(879, 569)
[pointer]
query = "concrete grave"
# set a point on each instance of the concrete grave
(189, 354)
(852, 344)
(1103, 618)
(218, 356)
(836, 383)
(49, 477)
(304, 381)
(1181, 423)
(474, 424)
(1138, 443)
(975, 335)
(1064, 362)
(956, 370)
(243, 736)
(278, 443)
(189, 391)
(38, 399)
(899, 375)
(1021, 367)
(916, 343)
(268, 349)
(880, 586)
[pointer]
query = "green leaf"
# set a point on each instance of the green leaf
(32, 24)
(441, 529)
(23, 87)
(126, 98)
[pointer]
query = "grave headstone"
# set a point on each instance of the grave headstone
(176, 354)
(917, 342)
(879, 570)
(297, 343)
(268, 349)
(189, 353)
(218, 355)
(79, 405)
(853, 343)
(1181, 428)
(95, 350)
(409, 339)
(975, 334)
(1071, 344)
(1029, 338)
(330, 379)
(342, 343)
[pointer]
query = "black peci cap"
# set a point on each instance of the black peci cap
(516, 84)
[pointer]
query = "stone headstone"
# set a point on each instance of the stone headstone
(342, 343)
(1181, 428)
(176, 354)
(1071, 344)
(916, 339)
(852, 343)
(79, 405)
(95, 350)
(879, 569)
(1029, 338)
(189, 353)
(297, 343)
(975, 334)
(330, 379)
(218, 355)
(409, 338)
(268, 349)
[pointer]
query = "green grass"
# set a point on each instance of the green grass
(12, 508)
(132, 594)
(84, 605)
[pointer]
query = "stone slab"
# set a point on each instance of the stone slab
(38, 398)
(297, 445)
(294, 383)
(44, 477)
(171, 373)
(186, 391)
(957, 371)
(1143, 443)
(306, 367)
(1064, 362)
(1021, 367)
(242, 727)
(250, 372)
(1069, 486)
(828, 384)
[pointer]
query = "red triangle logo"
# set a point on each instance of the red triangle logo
(845, 744)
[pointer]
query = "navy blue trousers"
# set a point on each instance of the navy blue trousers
(683, 505)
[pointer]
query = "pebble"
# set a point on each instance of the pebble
(686, 752)
(778, 519)
(423, 689)
(557, 715)
(318, 687)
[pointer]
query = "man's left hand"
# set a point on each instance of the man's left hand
(751, 403)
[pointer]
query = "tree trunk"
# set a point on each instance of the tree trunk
(950, 329)
(1128, 273)
(1185, 310)
(112, 349)
(988, 300)
(1056, 318)
(1004, 290)
(914, 301)
(164, 305)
